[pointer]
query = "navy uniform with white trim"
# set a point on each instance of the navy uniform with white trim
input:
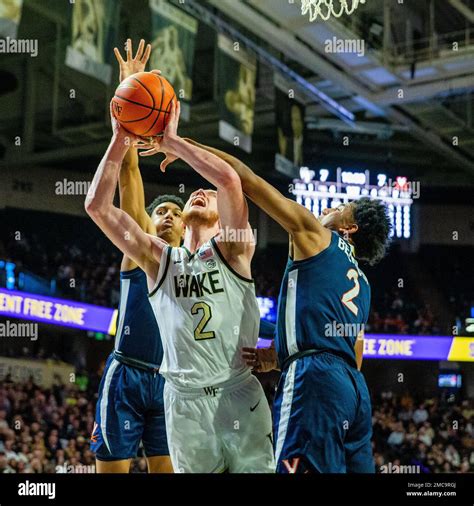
(217, 416)
(324, 303)
(130, 404)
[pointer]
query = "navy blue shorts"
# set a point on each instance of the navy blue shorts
(322, 418)
(129, 410)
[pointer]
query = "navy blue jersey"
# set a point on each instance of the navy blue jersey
(138, 336)
(324, 303)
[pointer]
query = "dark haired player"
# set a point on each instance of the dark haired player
(130, 405)
(322, 412)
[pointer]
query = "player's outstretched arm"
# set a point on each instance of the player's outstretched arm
(308, 234)
(116, 224)
(132, 199)
(233, 209)
(232, 206)
(132, 193)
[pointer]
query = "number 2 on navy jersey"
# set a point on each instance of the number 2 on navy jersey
(353, 275)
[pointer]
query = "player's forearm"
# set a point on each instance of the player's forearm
(207, 164)
(132, 193)
(248, 178)
(257, 189)
(100, 197)
(290, 215)
(359, 351)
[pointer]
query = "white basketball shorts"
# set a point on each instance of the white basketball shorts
(221, 428)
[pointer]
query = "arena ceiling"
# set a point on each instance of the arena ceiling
(427, 133)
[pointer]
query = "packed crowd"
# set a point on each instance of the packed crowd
(88, 273)
(431, 435)
(47, 430)
(393, 313)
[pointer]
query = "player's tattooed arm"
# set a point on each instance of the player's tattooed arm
(145, 250)
(308, 235)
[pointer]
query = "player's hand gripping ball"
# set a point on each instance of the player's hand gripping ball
(142, 104)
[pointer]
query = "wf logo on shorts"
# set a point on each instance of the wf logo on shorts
(212, 391)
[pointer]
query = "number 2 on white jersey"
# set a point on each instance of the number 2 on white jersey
(353, 275)
(199, 332)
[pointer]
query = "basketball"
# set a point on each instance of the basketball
(142, 103)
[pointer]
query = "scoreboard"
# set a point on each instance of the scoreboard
(325, 188)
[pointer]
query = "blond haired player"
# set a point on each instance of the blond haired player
(217, 416)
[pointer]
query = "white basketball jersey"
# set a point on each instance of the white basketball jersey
(206, 313)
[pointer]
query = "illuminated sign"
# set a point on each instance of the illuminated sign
(68, 313)
(407, 347)
(455, 349)
(318, 190)
(396, 347)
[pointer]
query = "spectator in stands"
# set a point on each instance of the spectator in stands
(420, 415)
(397, 436)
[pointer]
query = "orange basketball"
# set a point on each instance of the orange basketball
(142, 103)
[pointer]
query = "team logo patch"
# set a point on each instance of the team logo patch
(211, 263)
(206, 253)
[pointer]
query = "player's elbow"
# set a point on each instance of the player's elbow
(94, 207)
(230, 181)
(294, 223)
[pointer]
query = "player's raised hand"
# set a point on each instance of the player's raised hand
(133, 64)
(171, 130)
(260, 359)
(153, 147)
(119, 132)
(163, 144)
